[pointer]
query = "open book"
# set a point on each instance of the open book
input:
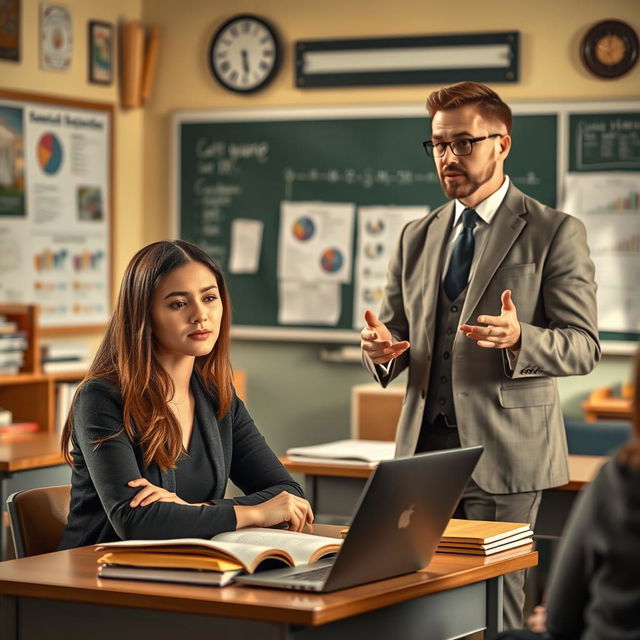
(244, 549)
(368, 452)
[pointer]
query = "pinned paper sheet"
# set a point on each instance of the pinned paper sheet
(316, 241)
(316, 303)
(246, 242)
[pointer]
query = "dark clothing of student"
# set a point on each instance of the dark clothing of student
(100, 496)
(595, 582)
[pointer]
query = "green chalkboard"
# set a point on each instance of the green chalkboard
(604, 141)
(244, 165)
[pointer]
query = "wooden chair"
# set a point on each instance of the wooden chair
(38, 518)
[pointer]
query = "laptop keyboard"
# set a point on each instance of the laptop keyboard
(312, 574)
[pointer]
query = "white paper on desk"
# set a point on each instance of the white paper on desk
(345, 450)
(316, 241)
(378, 231)
(315, 303)
(246, 242)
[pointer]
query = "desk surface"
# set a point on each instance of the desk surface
(29, 451)
(582, 469)
(71, 576)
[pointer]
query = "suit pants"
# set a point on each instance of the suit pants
(477, 504)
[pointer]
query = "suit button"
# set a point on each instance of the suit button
(454, 308)
(442, 401)
(443, 379)
(445, 355)
(449, 331)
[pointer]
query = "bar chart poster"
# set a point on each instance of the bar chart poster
(609, 206)
(54, 211)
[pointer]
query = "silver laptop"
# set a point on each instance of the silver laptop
(402, 512)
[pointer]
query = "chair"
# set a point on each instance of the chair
(38, 518)
(595, 438)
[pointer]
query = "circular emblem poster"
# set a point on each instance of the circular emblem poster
(56, 37)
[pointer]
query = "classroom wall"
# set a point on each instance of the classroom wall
(295, 397)
(26, 75)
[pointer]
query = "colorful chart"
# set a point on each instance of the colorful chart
(331, 260)
(49, 151)
(303, 228)
(49, 260)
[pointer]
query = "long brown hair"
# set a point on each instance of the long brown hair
(488, 102)
(126, 356)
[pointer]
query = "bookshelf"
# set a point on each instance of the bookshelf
(30, 394)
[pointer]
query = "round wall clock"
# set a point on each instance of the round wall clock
(610, 48)
(244, 54)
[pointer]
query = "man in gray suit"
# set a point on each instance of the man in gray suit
(488, 299)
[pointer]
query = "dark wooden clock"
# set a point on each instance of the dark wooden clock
(609, 49)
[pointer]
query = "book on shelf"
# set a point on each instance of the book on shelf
(9, 370)
(7, 326)
(13, 341)
(64, 397)
(11, 358)
(65, 351)
(6, 417)
(20, 427)
(65, 366)
(244, 549)
(367, 452)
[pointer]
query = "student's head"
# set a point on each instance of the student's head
(173, 305)
(469, 170)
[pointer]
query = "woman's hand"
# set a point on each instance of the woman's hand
(150, 494)
(285, 507)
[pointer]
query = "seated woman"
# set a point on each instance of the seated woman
(156, 429)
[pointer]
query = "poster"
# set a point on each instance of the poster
(55, 211)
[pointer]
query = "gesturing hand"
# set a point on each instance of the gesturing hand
(501, 332)
(150, 494)
(376, 340)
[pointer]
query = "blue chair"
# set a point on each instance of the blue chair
(595, 438)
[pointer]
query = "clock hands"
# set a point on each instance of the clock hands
(245, 60)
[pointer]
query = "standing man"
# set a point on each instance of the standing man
(488, 299)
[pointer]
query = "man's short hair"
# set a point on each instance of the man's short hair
(489, 103)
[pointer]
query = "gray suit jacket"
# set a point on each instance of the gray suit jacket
(542, 256)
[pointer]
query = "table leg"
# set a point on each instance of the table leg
(494, 606)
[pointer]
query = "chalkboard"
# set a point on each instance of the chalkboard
(230, 165)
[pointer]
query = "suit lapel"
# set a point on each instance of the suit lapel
(506, 226)
(211, 432)
(434, 248)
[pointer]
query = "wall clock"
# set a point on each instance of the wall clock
(609, 49)
(244, 54)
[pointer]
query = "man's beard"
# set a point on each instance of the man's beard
(459, 190)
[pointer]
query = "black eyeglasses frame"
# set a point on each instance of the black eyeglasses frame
(429, 146)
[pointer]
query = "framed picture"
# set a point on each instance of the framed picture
(10, 30)
(56, 37)
(101, 52)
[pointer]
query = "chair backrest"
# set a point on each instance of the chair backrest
(596, 438)
(38, 518)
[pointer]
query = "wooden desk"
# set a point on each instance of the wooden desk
(26, 461)
(334, 490)
(50, 595)
(603, 405)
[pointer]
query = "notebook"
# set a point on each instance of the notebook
(402, 512)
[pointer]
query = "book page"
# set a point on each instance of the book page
(302, 547)
(366, 450)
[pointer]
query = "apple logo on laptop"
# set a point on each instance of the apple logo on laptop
(405, 517)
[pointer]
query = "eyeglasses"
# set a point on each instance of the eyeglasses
(461, 147)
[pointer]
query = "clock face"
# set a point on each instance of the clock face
(244, 54)
(610, 49)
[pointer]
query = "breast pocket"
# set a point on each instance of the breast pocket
(516, 270)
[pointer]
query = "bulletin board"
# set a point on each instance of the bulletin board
(56, 208)
(245, 163)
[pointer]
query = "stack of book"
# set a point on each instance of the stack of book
(213, 562)
(479, 537)
(364, 452)
(7, 425)
(65, 357)
(13, 344)
(65, 392)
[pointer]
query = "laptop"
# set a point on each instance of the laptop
(402, 512)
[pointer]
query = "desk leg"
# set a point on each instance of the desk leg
(494, 606)
(311, 490)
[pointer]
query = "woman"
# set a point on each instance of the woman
(156, 429)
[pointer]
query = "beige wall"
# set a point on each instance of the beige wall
(292, 408)
(26, 75)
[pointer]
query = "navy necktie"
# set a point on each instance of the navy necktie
(460, 264)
